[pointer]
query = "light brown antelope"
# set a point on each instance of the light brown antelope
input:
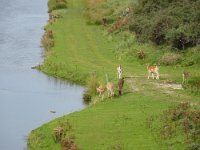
(185, 75)
(110, 89)
(153, 70)
(101, 89)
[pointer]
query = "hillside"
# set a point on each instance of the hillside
(80, 48)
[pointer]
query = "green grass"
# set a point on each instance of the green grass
(114, 122)
(81, 50)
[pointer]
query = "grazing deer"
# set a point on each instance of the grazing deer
(153, 70)
(185, 76)
(101, 89)
(110, 89)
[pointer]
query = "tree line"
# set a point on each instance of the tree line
(172, 22)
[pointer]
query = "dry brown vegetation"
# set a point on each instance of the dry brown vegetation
(60, 136)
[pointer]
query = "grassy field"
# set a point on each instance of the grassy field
(120, 122)
(81, 50)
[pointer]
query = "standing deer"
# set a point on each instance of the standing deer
(110, 89)
(153, 70)
(185, 75)
(101, 89)
(119, 72)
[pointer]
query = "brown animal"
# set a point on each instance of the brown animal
(110, 89)
(101, 89)
(153, 70)
(185, 75)
(120, 85)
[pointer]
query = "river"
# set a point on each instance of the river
(27, 96)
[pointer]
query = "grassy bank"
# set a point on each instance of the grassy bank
(80, 50)
(107, 125)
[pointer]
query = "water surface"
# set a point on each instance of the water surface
(27, 96)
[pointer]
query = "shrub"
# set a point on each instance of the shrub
(193, 85)
(193, 146)
(175, 23)
(170, 59)
(141, 54)
(87, 97)
(61, 136)
(192, 57)
(184, 120)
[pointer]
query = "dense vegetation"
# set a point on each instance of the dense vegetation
(178, 124)
(172, 22)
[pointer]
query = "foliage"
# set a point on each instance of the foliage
(182, 120)
(173, 22)
(170, 59)
(193, 85)
(192, 56)
(141, 54)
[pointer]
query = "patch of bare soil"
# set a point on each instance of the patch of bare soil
(140, 85)
(132, 85)
(170, 85)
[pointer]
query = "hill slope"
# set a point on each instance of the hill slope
(81, 50)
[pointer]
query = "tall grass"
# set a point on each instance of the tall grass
(90, 90)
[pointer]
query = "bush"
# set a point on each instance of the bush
(184, 120)
(170, 59)
(193, 146)
(175, 23)
(141, 54)
(193, 85)
(192, 57)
